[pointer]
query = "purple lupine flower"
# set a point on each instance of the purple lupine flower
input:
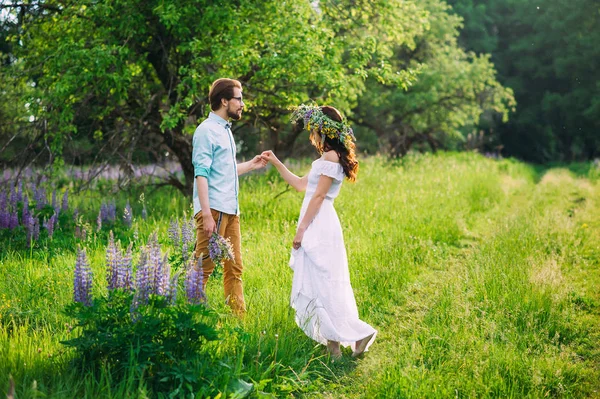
(4, 219)
(29, 227)
(174, 232)
(219, 248)
(26, 212)
(82, 284)
(172, 294)
(125, 271)
(20, 192)
(65, 201)
(142, 282)
(111, 211)
(187, 238)
(307, 116)
(164, 284)
(3, 201)
(13, 221)
(50, 224)
(108, 211)
(194, 288)
(155, 265)
(127, 215)
(113, 258)
(13, 198)
(40, 198)
(75, 214)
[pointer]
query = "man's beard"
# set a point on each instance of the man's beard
(234, 115)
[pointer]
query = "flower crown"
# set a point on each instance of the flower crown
(314, 118)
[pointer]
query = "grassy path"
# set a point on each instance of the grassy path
(482, 277)
(513, 313)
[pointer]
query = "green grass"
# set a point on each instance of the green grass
(481, 276)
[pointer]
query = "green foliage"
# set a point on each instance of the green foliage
(161, 342)
(546, 53)
(453, 90)
(132, 76)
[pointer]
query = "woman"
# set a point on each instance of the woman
(321, 292)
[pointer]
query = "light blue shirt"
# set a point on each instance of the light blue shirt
(213, 156)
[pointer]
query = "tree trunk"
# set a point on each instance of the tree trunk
(181, 145)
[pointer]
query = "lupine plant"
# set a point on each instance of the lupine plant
(140, 325)
(24, 212)
(182, 235)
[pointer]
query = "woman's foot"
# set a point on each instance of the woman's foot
(333, 347)
(361, 345)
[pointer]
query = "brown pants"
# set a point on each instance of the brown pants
(228, 226)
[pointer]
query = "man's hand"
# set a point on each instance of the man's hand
(258, 162)
(209, 224)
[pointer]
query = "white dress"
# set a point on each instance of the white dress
(321, 292)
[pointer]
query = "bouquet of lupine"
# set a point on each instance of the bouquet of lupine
(219, 251)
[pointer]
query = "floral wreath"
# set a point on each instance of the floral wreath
(313, 117)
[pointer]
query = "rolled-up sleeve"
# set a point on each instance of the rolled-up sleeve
(202, 152)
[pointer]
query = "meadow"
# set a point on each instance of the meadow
(481, 276)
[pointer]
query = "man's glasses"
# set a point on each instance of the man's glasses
(239, 99)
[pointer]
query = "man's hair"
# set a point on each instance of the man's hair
(222, 88)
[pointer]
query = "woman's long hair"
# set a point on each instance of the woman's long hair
(347, 155)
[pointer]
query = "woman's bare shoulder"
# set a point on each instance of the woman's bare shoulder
(331, 156)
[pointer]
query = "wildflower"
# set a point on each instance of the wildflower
(142, 289)
(82, 285)
(174, 232)
(20, 192)
(13, 198)
(39, 197)
(172, 294)
(219, 249)
(25, 214)
(125, 271)
(187, 238)
(13, 222)
(193, 283)
(113, 259)
(50, 224)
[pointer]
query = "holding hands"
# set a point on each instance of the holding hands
(258, 162)
(269, 156)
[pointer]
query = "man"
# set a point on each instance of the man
(216, 206)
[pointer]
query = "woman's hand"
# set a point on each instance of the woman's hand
(270, 156)
(298, 238)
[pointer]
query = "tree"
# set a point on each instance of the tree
(452, 92)
(548, 54)
(131, 74)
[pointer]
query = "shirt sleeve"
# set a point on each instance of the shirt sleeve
(202, 152)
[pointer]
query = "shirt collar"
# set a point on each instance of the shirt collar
(219, 120)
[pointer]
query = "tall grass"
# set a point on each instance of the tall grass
(480, 275)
